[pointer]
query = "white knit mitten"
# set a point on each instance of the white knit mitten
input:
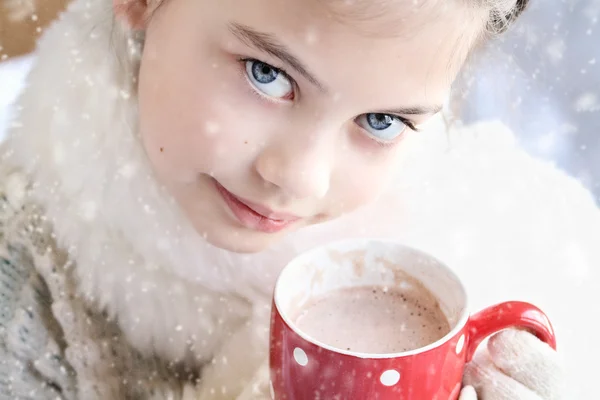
(515, 366)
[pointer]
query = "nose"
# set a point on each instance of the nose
(300, 168)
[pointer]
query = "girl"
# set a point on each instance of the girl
(167, 153)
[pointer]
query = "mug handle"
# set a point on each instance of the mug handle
(516, 314)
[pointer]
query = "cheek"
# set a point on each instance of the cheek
(365, 190)
(362, 182)
(194, 120)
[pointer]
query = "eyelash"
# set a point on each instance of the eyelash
(410, 124)
(243, 60)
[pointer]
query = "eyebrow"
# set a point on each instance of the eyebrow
(269, 44)
(415, 110)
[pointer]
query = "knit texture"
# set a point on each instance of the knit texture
(52, 343)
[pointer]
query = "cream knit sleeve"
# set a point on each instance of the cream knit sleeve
(53, 344)
(32, 365)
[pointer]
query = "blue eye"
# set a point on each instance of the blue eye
(268, 80)
(383, 127)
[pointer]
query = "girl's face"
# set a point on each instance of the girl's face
(264, 116)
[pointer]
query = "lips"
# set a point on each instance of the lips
(255, 216)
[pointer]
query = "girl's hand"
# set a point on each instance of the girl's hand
(515, 366)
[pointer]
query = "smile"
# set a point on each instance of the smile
(255, 216)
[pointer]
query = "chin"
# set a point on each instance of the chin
(243, 242)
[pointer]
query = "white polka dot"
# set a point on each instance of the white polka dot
(390, 377)
(461, 344)
(300, 356)
(271, 390)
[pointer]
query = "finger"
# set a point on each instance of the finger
(491, 383)
(528, 360)
(468, 393)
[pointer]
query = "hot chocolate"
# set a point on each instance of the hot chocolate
(374, 319)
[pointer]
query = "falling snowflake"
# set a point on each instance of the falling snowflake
(556, 50)
(88, 210)
(20, 10)
(587, 102)
(212, 128)
(311, 36)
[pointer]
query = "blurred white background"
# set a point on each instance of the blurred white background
(12, 79)
(543, 80)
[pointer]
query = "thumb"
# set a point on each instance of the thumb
(468, 393)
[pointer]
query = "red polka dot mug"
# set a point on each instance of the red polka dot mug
(303, 368)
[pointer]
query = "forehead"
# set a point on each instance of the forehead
(394, 18)
(388, 50)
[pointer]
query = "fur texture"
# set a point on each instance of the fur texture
(469, 196)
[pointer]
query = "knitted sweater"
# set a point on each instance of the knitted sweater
(53, 344)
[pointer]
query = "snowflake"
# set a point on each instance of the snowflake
(587, 102)
(19, 10)
(127, 171)
(311, 36)
(212, 128)
(59, 153)
(556, 50)
(88, 210)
